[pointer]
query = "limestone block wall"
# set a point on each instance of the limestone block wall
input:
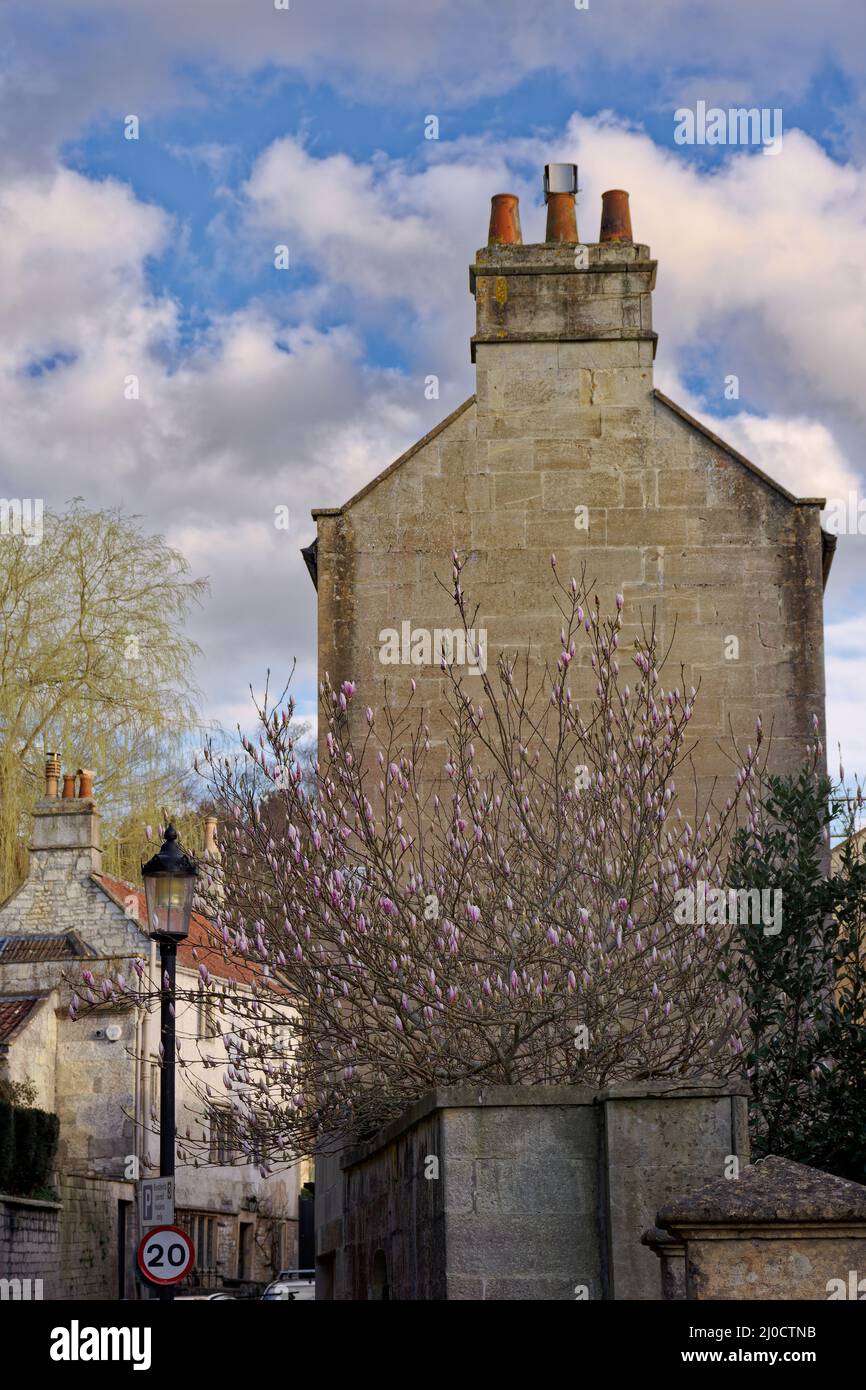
(30, 1247)
(89, 1237)
(656, 1136)
(533, 1193)
(71, 1245)
(34, 1054)
(523, 1190)
(673, 521)
(96, 1092)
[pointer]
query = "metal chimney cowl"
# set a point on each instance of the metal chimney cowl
(559, 178)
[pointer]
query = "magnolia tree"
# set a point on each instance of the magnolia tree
(495, 908)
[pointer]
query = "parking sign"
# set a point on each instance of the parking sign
(156, 1201)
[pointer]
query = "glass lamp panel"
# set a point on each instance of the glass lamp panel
(169, 903)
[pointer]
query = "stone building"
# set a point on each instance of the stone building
(567, 447)
(100, 1074)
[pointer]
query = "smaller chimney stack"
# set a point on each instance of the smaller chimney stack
(615, 216)
(560, 188)
(52, 774)
(504, 220)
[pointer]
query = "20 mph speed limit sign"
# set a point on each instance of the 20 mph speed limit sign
(165, 1255)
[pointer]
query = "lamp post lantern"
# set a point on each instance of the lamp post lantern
(169, 881)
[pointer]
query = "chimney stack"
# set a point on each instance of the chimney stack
(65, 828)
(504, 220)
(210, 845)
(563, 340)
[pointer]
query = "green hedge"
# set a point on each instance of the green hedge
(7, 1144)
(28, 1146)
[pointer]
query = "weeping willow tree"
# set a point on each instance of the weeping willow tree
(95, 665)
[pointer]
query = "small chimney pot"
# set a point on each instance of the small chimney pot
(615, 216)
(504, 220)
(68, 786)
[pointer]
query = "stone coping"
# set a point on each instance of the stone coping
(12, 1201)
(772, 1191)
(499, 1097)
(662, 1087)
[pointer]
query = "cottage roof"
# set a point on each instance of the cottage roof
(15, 1009)
(16, 950)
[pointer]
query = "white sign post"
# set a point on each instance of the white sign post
(165, 1255)
(156, 1201)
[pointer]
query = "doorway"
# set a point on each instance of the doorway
(245, 1249)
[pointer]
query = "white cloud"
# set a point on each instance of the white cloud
(259, 413)
(846, 680)
(113, 59)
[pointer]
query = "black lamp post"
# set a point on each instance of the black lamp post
(169, 882)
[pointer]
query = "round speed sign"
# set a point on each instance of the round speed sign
(165, 1255)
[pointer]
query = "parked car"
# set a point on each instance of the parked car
(296, 1284)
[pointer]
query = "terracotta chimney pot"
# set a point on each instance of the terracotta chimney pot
(560, 191)
(561, 218)
(504, 220)
(85, 783)
(69, 786)
(615, 216)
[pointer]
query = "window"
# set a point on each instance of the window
(205, 1241)
(202, 1229)
(207, 1022)
(222, 1147)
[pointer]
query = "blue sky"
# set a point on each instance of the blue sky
(306, 127)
